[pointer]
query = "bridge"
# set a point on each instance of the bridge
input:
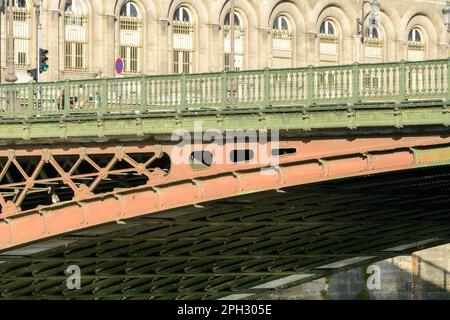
(215, 185)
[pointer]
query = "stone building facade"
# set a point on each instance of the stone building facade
(84, 37)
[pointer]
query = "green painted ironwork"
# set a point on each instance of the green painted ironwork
(269, 88)
(348, 96)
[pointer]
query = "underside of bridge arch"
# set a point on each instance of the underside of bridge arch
(246, 246)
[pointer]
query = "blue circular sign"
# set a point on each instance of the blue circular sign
(119, 65)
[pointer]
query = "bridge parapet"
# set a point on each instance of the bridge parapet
(306, 87)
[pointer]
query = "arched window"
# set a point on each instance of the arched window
(20, 3)
(415, 36)
(182, 14)
(327, 28)
(129, 10)
(281, 43)
(238, 42)
(130, 38)
(329, 42)
(183, 40)
(416, 45)
(373, 45)
(281, 24)
(75, 35)
(21, 32)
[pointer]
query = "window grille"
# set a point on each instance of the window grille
(281, 43)
(182, 61)
(183, 46)
(416, 45)
(328, 43)
(238, 43)
(130, 38)
(75, 37)
(21, 34)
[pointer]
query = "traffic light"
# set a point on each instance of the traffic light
(43, 60)
(43, 64)
(32, 73)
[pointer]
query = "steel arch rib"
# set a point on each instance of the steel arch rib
(316, 160)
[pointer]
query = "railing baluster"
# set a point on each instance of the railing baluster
(448, 79)
(160, 92)
(309, 86)
(261, 87)
(418, 82)
(168, 99)
(203, 89)
(355, 81)
(152, 90)
(437, 88)
(266, 88)
(389, 72)
(379, 80)
(402, 81)
(66, 96)
(429, 88)
(30, 109)
(224, 89)
(372, 76)
(347, 82)
(143, 97)
(216, 96)
(254, 79)
(184, 98)
(334, 84)
(103, 96)
(300, 85)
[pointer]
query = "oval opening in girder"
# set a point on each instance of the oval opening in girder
(200, 159)
(283, 151)
(241, 155)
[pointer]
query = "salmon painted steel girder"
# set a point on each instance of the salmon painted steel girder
(51, 191)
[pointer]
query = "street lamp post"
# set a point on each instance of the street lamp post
(232, 85)
(374, 13)
(37, 6)
(11, 75)
(2, 10)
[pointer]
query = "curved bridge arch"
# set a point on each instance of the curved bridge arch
(310, 161)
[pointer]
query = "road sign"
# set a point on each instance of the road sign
(119, 65)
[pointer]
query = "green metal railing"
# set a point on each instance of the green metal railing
(357, 83)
